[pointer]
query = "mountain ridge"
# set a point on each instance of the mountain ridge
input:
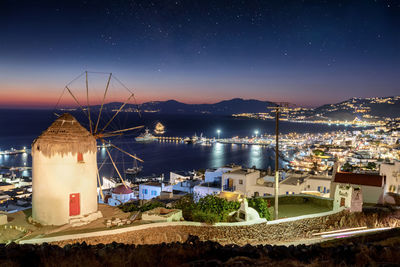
(362, 108)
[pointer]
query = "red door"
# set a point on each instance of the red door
(74, 204)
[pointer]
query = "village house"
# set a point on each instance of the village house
(392, 173)
(120, 195)
(252, 182)
(152, 190)
(371, 185)
(212, 181)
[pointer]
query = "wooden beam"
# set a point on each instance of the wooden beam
(102, 103)
(116, 113)
(115, 167)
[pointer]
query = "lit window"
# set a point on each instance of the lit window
(80, 157)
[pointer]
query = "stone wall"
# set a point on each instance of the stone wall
(253, 234)
(372, 250)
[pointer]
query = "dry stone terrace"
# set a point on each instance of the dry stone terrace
(283, 233)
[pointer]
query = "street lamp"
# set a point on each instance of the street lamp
(218, 132)
(256, 132)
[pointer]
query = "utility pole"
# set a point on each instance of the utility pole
(276, 161)
(279, 106)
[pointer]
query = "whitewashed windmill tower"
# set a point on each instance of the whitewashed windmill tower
(64, 163)
(64, 182)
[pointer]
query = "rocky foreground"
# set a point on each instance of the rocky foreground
(375, 250)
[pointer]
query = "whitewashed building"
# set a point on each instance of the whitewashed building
(120, 195)
(151, 190)
(392, 173)
(371, 185)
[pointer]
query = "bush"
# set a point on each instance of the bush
(131, 207)
(151, 205)
(261, 206)
(219, 206)
(187, 205)
(201, 216)
(210, 209)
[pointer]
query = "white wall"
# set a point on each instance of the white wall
(55, 178)
(202, 191)
(215, 176)
(370, 194)
(149, 191)
(392, 173)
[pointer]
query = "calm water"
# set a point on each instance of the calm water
(18, 128)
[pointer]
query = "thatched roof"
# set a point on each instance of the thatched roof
(65, 135)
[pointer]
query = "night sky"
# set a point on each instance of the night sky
(305, 52)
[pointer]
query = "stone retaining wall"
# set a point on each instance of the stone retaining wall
(253, 234)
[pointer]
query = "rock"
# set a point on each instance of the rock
(342, 222)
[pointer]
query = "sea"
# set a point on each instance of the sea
(19, 128)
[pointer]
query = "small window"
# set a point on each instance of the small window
(153, 192)
(144, 191)
(342, 202)
(80, 158)
(240, 181)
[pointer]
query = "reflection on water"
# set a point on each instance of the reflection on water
(218, 155)
(163, 157)
(255, 157)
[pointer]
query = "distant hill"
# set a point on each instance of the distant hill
(363, 108)
(226, 107)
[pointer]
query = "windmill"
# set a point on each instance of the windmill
(94, 112)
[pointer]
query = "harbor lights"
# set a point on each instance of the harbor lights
(218, 132)
(256, 133)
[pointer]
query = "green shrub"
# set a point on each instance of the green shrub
(187, 205)
(130, 206)
(219, 206)
(214, 204)
(208, 209)
(201, 216)
(261, 206)
(151, 205)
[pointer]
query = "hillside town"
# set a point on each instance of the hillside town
(314, 164)
(359, 112)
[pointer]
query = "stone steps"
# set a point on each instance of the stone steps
(80, 220)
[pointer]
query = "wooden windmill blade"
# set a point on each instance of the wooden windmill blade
(116, 169)
(99, 133)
